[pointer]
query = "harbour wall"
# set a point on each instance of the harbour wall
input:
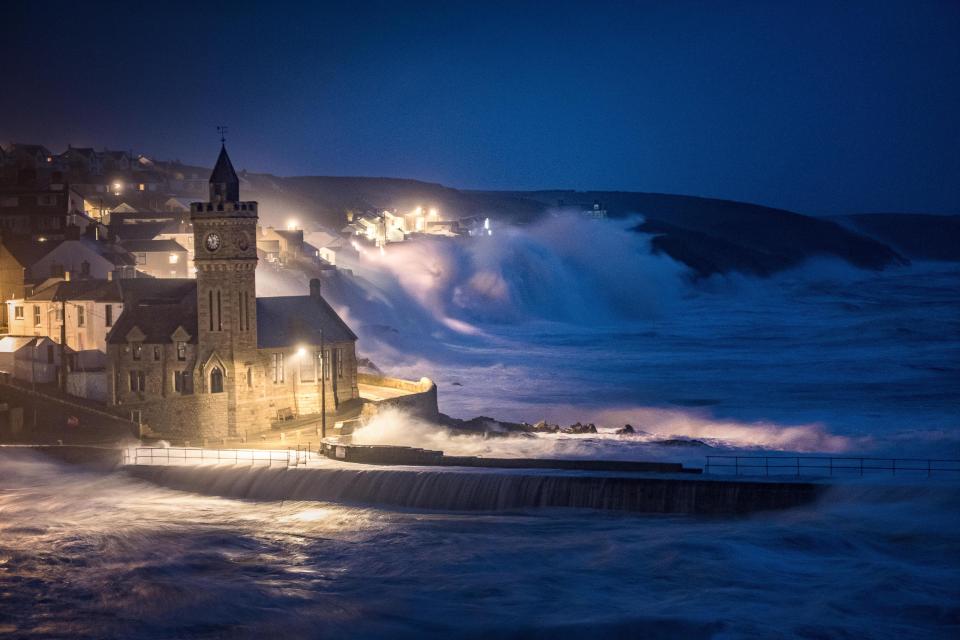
(487, 490)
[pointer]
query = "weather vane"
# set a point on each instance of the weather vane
(222, 130)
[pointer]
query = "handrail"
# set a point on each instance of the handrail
(827, 465)
(198, 455)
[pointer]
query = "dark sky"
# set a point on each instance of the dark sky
(818, 107)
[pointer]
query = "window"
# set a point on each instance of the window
(81, 316)
(36, 315)
(174, 258)
(156, 353)
(339, 363)
(181, 351)
(108, 315)
(18, 313)
(216, 380)
(178, 381)
(137, 349)
(138, 380)
(325, 364)
(308, 369)
(277, 368)
(250, 377)
(85, 268)
(49, 354)
(216, 321)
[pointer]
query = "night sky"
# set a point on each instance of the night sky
(806, 105)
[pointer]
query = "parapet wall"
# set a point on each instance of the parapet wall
(420, 398)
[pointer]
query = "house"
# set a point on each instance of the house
(204, 358)
(30, 359)
(41, 213)
(282, 245)
(158, 258)
(89, 306)
(83, 257)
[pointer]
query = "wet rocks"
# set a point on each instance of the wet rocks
(580, 429)
(626, 430)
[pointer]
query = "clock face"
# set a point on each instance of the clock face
(212, 241)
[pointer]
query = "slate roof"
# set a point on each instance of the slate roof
(156, 307)
(145, 246)
(92, 289)
(139, 231)
(285, 321)
(223, 171)
(27, 251)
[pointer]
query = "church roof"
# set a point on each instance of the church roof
(223, 170)
(285, 321)
(145, 246)
(156, 306)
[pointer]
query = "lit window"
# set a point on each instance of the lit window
(174, 258)
(81, 317)
(18, 313)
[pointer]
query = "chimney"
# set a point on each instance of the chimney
(315, 289)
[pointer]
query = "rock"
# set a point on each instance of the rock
(543, 427)
(580, 428)
(626, 430)
(681, 442)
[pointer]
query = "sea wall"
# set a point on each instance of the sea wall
(483, 491)
(420, 398)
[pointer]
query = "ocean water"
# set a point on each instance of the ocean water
(571, 322)
(92, 555)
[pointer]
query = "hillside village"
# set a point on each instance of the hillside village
(105, 299)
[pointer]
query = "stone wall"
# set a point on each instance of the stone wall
(420, 399)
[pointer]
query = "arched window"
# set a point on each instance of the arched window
(216, 380)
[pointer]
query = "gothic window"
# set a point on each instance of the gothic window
(277, 365)
(156, 353)
(219, 317)
(216, 380)
(137, 349)
(181, 351)
(210, 307)
(250, 377)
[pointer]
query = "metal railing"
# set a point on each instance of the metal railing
(829, 466)
(293, 457)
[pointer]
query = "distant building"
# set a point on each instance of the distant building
(159, 258)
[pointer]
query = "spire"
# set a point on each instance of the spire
(224, 183)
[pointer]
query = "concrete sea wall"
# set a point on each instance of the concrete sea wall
(463, 490)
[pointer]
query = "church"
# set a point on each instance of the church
(205, 358)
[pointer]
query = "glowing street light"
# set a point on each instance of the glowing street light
(292, 224)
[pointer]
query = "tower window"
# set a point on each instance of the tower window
(216, 380)
(181, 351)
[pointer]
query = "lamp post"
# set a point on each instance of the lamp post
(323, 389)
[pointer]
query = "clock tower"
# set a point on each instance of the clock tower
(225, 256)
